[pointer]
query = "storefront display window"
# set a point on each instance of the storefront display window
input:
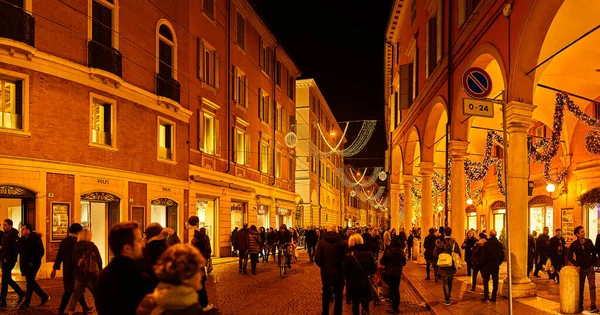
(60, 221)
(284, 217)
(262, 218)
(472, 221)
(499, 222)
(540, 217)
(238, 215)
(205, 210)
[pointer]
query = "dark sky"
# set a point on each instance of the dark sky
(340, 45)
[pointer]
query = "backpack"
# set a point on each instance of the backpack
(448, 257)
(88, 264)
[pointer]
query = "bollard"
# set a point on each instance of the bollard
(569, 290)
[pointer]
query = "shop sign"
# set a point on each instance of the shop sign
(236, 206)
(282, 211)
(262, 209)
(103, 181)
(166, 189)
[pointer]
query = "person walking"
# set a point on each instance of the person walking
(311, 242)
(409, 242)
(123, 283)
(447, 246)
(65, 257)
(429, 245)
(254, 247)
(541, 247)
(271, 242)
(584, 261)
(375, 240)
(393, 259)
(241, 245)
(8, 258)
(387, 238)
(263, 240)
(32, 251)
(493, 256)
(179, 270)
(329, 256)
(530, 253)
(88, 263)
(359, 265)
(156, 244)
(201, 241)
(467, 246)
(477, 260)
(233, 238)
(557, 251)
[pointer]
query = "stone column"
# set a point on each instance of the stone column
(518, 122)
(457, 151)
(408, 215)
(426, 201)
(394, 210)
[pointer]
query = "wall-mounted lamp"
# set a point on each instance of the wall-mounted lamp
(469, 201)
(550, 188)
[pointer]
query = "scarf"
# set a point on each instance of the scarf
(173, 297)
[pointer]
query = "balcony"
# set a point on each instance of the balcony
(167, 87)
(104, 58)
(16, 24)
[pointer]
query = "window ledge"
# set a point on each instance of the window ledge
(208, 87)
(240, 106)
(208, 17)
(103, 147)
(14, 132)
(166, 161)
(242, 50)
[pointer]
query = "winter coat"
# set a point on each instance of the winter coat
(81, 247)
(393, 259)
(542, 245)
(366, 237)
(447, 245)
(263, 237)
(493, 254)
(468, 245)
(121, 287)
(202, 243)
(271, 238)
(429, 245)
(241, 240)
(65, 257)
(329, 256)
(285, 237)
(171, 300)
(233, 237)
(311, 238)
(172, 240)
(32, 251)
(585, 256)
(477, 253)
(410, 241)
(151, 253)
(254, 245)
(557, 250)
(531, 244)
(10, 247)
(375, 243)
(359, 264)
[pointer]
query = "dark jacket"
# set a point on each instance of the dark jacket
(542, 245)
(254, 245)
(429, 245)
(233, 237)
(557, 250)
(477, 253)
(311, 238)
(468, 245)
(241, 240)
(585, 254)
(359, 264)
(10, 247)
(329, 256)
(285, 237)
(531, 244)
(151, 253)
(375, 241)
(271, 238)
(410, 240)
(393, 259)
(65, 257)
(493, 254)
(202, 243)
(80, 249)
(32, 251)
(121, 287)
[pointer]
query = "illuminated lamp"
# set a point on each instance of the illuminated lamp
(550, 188)
(469, 201)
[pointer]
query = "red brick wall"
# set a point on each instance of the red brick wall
(139, 193)
(186, 213)
(62, 186)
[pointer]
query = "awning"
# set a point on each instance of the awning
(287, 204)
(220, 183)
(264, 200)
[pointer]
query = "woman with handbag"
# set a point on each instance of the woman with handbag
(359, 266)
(254, 247)
(394, 259)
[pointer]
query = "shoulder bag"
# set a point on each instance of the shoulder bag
(373, 288)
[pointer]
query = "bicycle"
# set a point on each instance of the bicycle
(283, 265)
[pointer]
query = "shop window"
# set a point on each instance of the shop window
(166, 140)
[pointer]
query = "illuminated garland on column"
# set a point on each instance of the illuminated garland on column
(401, 207)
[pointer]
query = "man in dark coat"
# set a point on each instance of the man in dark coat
(541, 248)
(429, 245)
(530, 253)
(64, 257)
(156, 244)
(557, 251)
(32, 251)
(582, 255)
(8, 257)
(202, 242)
(123, 283)
(493, 256)
(233, 238)
(284, 238)
(331, 251)
(311, 242)
(410, 242)
(241, 245)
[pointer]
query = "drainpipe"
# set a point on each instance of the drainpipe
(449, 109)
(229, 79)
(274, 120)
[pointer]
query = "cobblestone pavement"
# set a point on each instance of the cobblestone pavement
(263, 293)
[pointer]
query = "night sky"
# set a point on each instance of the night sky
(340, 45)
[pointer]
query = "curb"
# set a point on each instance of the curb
(432, 303)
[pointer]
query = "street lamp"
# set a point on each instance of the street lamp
(469, 201)
(440, 208)
(550, 188)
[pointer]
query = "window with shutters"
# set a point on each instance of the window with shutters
(11, 105)
(265, 57)
(208, 126)
(166, 140)
(103, 22)
(166, 51)
(240, 87)
(265, 152)
(406, 86)
(278, 73)
(277, 164)
(240, 147)
(103, 121)
(241, 31)
(208, 8)
(291, 87)
(209, 63)
(431, 45)
(265, 110)
(279, 121)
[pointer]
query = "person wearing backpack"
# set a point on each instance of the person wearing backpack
(493, 256)
(477, 261)
(32, 251)
(446, 263)
(88, 263)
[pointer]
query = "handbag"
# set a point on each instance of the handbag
(373, 288)
(456, 258)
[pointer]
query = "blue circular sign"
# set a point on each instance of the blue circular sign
(477, 83)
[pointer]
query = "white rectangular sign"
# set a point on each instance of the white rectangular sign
(474, 107)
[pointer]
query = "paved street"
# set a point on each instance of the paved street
(265, 293)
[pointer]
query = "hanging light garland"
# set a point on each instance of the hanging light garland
(363, 137)
(401, 208)
(341, 172)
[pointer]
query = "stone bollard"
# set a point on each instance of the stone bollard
(569, 290)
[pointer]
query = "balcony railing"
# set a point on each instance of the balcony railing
(16, 24)
(167, 87)
(104, 58)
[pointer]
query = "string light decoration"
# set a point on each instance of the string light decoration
(291, 140)
(382, 176)
(341, 172)
(401, 207)
(371, 195)
(363, 137)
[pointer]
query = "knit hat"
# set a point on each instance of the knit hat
(153, 230)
